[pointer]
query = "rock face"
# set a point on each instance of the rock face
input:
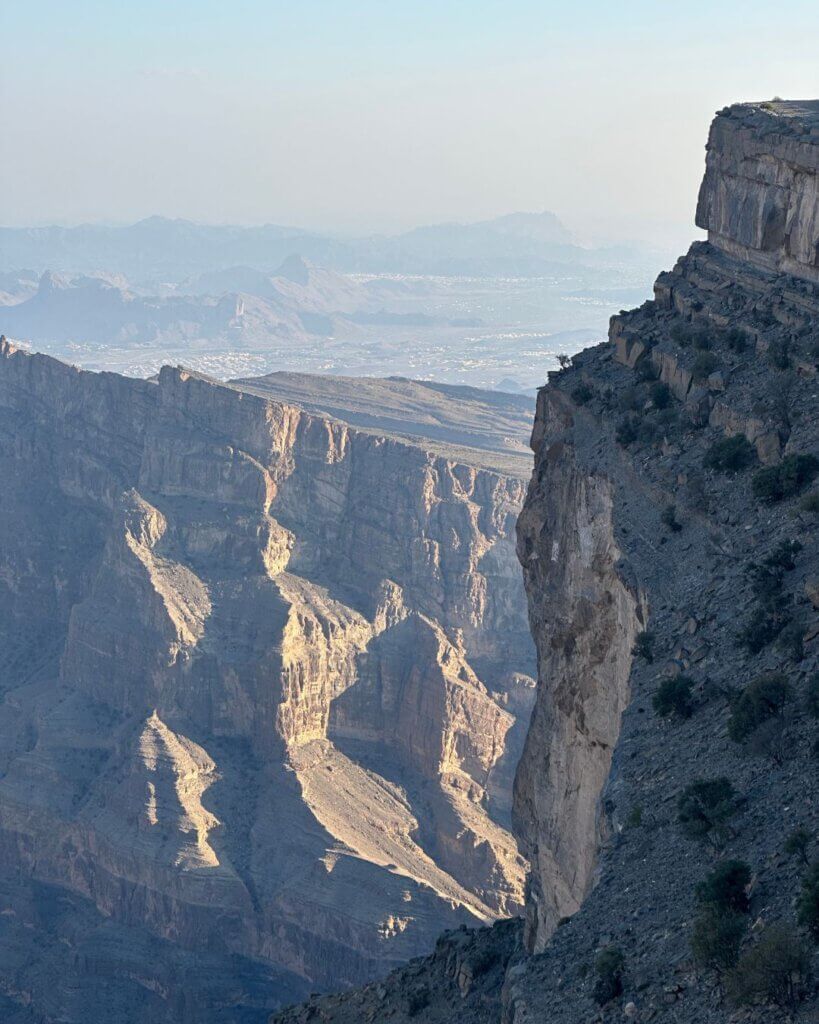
(758, 199)
(652, 553)
(265, 679)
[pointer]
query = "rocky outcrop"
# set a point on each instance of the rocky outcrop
(759, 198)
(264, 676)
(654, 555)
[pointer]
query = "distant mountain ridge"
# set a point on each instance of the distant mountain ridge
(159, 248)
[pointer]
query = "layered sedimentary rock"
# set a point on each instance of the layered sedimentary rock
(653, 553)
(265, 678)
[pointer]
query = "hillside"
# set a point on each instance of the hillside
(667, 797)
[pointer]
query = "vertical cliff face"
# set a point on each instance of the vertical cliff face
(584, 620)
(262, 677)
(669, 545)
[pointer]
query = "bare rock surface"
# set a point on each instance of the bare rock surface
(655, 553)
(265, 678)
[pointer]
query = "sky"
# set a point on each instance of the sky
(359, 117)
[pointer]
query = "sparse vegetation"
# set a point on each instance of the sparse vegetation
(626, 431)
(668, 517)
(792, 475)
(736, 339)
(730, 455)
(703, 366)
(716, 938)
(704, 808)
(725, 888)
(644, 646)
(779, 356)
(609, 968)
(582, 394)
(774, 969)
(674, 698)
(660, 395)
(810, 503)
(762, 699)
(635, 817)
(797, 843)
(812, 696)
(807, 905)
(417, 1001)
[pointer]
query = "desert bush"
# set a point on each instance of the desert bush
(768, 740)
(660, 395)
(807, 905)
(668, 517)
(761, 699)
(763, 627)
(644, 646)
(704, 808)
(716, 938)
(797, 843)
(730, 455)
(779, 356)
(773, 969)
(792, 475)
(725, 887)
(810, 503)
(784, 555)
(674, 698)
(626, 431)
(791, 641)
(645, 370)
(704, 365)
(417, 1001)
(582, 393)
(609, 968)
(628, 400)
(635, 817)
(736, 339)
(812, 696)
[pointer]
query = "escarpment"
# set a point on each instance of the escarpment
(265, 678)
(669, 542)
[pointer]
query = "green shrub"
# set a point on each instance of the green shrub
(730, 455)
(716, 938)
(736, 339)
(810, 503)
(417, 1001)
(635, 817)
(764, 625)
(792, 475)
(812, 696)
(761, 699)
(807, 905)
(768, 740)
(704, 365)
(701, 340)
(628, 400)
(797, 843)
(773, 969)
(646, 370)
(668, 517)
(609, 968)
(704, 808)
(779, 356)
(626, 431)
(726, 886)
(674, 698)
(582, 394)
(791, 641)
(784, 555)
(660, 395)
(644, 646)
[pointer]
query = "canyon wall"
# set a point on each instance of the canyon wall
(670, 544)
(265, 680)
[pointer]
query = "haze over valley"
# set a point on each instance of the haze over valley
(489, 304)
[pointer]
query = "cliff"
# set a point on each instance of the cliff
(265, 678)
(670, 553)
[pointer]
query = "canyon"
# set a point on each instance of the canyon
(669, 543)
(266, 675)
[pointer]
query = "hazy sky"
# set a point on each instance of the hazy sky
(359, 116)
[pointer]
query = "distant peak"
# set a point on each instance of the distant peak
(295, 268)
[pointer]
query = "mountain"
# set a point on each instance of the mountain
(265, 678)
(158, 250)
(667, 798)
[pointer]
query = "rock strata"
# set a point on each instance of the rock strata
(264, 679)
(670, 545)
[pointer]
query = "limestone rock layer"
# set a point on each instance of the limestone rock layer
(265, 678)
